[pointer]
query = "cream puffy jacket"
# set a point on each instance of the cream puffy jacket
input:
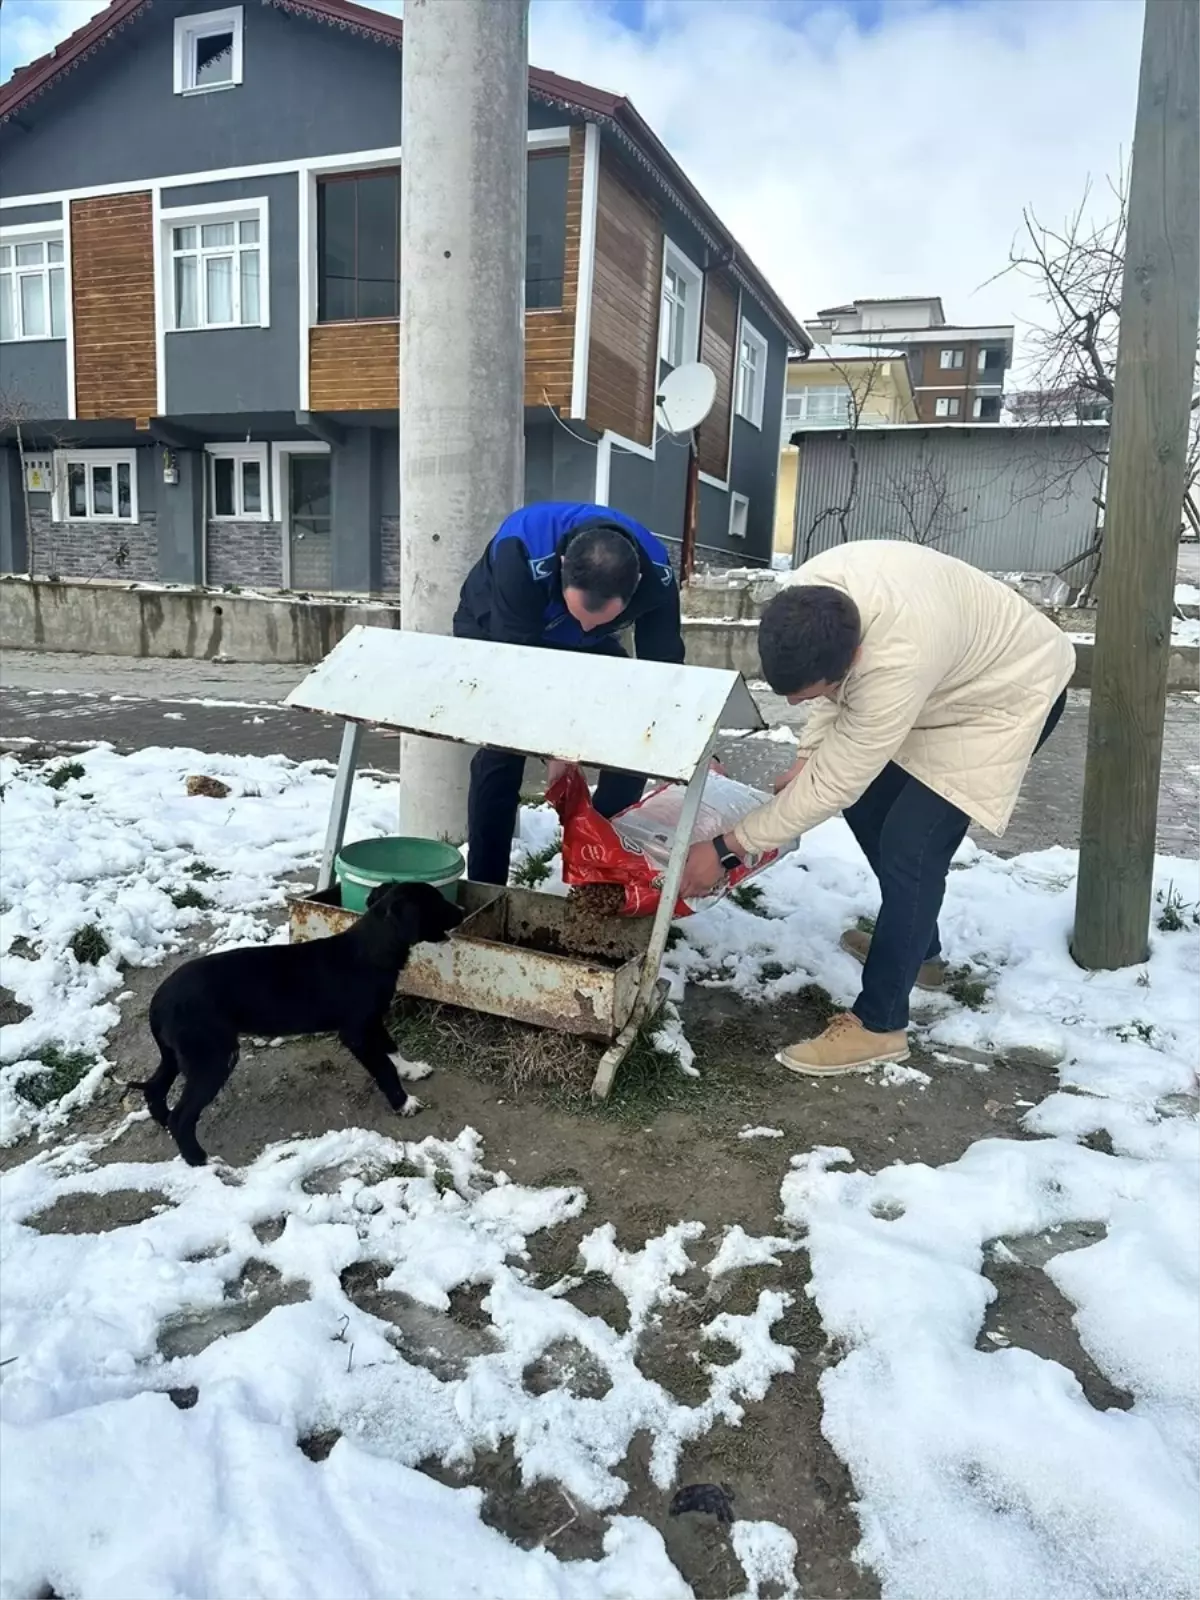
(953, 682)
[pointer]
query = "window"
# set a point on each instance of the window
(822, 406)
(679, 318)
(991, 361)
(358, 247)
(950, 360)
(217, 270)
(751, 374)
(208, 51)
(95, 486)
(546, 230)
(33, 289)
(237, 483)
(739, 516)
(947, 405)
(986, 407)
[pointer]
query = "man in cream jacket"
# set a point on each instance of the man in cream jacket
(935, 685)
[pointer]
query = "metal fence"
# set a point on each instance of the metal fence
(1004, 499)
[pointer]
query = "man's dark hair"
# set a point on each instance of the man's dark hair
(602, 562)
(808, 635)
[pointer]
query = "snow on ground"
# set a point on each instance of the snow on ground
(123, 849)
(109, 1488)
(981, 1472)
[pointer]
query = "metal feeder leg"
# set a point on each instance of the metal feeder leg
(339, 806)
(663, 918)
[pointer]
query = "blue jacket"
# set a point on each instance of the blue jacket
(513, 594)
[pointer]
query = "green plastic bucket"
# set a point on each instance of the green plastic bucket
(361, 867)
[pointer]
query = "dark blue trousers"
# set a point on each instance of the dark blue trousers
(908, 835)
(495, 794)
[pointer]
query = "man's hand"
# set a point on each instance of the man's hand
(715, 766)
(554, 771)
(790, 776)
(702, 872)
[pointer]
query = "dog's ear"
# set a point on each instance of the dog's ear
(379, 894)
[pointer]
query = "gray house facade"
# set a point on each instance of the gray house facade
(199, 296)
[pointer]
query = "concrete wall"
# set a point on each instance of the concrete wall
(109, 619)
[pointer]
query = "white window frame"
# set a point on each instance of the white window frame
(739, 511)
(234, 211)
(692, 280)
(60, 505)
(239, 454)
(189, 31)
(955, 363)
(44, 234)
(947, 405)
(751, 387)
(806, 394)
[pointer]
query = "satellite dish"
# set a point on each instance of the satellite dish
(686, 397)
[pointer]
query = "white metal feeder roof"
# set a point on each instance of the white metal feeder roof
(568, 705)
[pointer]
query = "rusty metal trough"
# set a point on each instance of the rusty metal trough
(502, 960)
(511, 955)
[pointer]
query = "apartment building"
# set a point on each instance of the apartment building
(957, 371)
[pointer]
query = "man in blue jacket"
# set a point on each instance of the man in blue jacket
(562, 576)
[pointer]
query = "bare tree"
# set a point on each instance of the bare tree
(920, 497)
(1076, 269)
(16, 414)
(861, 379)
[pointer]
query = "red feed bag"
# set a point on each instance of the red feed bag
(594, 852)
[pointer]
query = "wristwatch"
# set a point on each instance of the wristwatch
(725, 855)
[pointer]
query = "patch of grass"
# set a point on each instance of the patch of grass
(967, 989)
(89, 945)
(200, 870)
(865, 924)
(770, 970)
(63, 775)
(674, 937)
(63, 1069)
(1176, 913)
(749, 897)
(1137, 1029)
(189, 898)
(535, 868)
(23, 947)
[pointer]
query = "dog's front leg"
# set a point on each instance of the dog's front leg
(371, 1044)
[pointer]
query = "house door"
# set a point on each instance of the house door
(310, 536)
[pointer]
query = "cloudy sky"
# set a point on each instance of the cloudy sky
(855, 147)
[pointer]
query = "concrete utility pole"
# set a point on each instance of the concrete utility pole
(1155, 366)
(462, 332)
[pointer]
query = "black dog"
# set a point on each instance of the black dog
(343, 984)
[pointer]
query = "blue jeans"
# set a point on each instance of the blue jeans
(908, 835)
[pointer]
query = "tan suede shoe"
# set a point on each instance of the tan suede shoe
(931, 976)
(845, 1046)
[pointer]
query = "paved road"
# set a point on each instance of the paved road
(234, 709)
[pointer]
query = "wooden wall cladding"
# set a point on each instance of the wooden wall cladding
(718, 349)
(354, 366)
(550, 335)
(112, 286)
(623, 348)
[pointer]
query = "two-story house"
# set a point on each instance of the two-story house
(957, 370)
(199, 294)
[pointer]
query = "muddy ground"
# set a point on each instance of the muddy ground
(663, 1150)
